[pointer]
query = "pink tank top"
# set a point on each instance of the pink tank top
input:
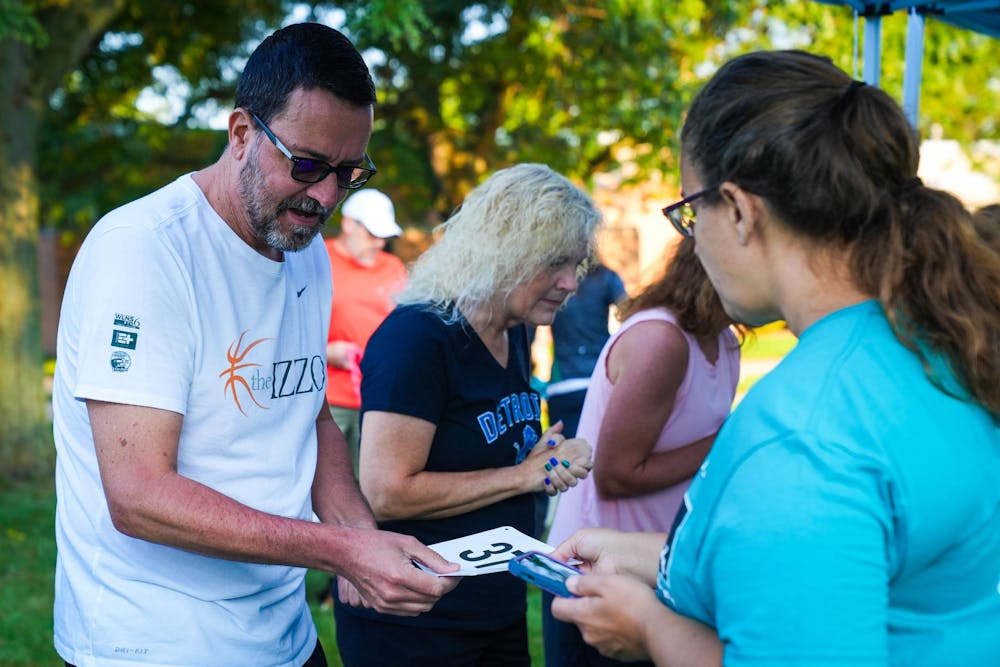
(704, 400)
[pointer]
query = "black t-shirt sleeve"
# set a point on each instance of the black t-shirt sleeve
(403, 369)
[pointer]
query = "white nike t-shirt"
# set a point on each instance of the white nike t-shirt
(167, 308)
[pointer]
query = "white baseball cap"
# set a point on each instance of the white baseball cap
(373, 209)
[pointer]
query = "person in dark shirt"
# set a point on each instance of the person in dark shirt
(451, 437)
(579, 332)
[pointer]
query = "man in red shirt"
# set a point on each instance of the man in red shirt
(365, 279)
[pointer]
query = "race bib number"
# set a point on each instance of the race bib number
(486, 552)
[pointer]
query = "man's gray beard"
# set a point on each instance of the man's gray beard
(265, 223)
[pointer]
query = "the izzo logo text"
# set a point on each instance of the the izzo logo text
(289, 377)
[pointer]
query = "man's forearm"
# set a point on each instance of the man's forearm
(177, 511)
(336, 497)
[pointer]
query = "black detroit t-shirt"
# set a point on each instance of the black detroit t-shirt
(487, 416)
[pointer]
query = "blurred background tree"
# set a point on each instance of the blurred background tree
(39, 44)
(71, 139)
(105, 100)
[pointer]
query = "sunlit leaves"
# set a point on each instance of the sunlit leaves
(469, 87)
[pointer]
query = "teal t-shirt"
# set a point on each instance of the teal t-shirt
(848, 513)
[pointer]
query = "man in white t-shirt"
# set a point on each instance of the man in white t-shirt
(195, 451)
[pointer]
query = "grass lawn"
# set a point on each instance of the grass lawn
(27, 570)
(768, 343)
(761, 350)
(27, 542)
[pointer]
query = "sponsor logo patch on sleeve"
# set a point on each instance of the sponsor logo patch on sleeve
(130, 321)
(120, 361)
(125, 339)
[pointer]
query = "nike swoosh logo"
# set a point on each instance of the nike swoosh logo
(299, 293)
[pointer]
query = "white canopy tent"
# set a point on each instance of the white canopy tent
(979, 15)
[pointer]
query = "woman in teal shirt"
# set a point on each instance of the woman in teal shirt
(849, 511)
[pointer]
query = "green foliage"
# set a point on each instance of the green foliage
(465, 88)
(597, 87)
(400, 23)
(960, 88)
(108, 151)
(109, 169)
(576, 85)
(17, 20)
(469, 87)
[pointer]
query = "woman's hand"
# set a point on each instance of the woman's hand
(560, 463)
(611, 612)
(606, 551)
(623, 619)
(573, 460)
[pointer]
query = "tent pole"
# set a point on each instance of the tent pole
(854, 47)
(872, 50)
(914, 63)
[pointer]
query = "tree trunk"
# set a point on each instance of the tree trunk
(28, 75)
(25, 434)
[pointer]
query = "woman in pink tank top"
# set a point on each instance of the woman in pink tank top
(662, 387)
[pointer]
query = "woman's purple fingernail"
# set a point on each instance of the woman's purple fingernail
(552, 443)
(548, 481)
(554, 461)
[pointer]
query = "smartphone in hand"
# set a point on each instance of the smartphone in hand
(543, 571)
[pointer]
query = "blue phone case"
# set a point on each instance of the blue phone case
(543, 571)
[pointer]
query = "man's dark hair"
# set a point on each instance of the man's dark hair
(303, 55)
